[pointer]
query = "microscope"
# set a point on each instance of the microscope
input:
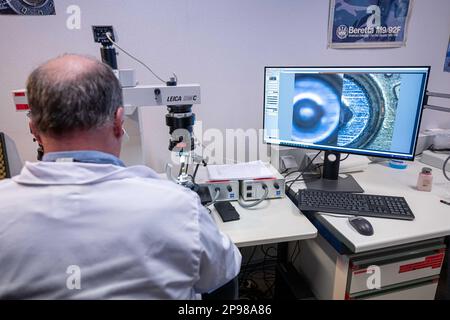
(178, 99)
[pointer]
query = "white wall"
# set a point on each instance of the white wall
(223, 45)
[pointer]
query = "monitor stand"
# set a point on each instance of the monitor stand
(331, 181)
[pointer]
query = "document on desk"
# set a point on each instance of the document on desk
(239, 171)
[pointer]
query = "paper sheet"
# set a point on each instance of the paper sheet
(240, 171)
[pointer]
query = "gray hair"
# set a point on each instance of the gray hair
(76, 96)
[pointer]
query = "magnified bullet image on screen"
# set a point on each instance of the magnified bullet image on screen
(354, 110)
(364, 110)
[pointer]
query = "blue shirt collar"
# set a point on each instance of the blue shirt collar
(86, 156)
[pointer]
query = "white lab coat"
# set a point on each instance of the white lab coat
(129, 234)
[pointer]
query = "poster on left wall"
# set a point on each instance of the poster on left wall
(27, 7)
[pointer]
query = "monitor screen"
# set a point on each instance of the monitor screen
(372, 111)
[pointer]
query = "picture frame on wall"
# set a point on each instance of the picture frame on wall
(27, 7)
(368, 23)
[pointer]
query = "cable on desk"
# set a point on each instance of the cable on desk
(296, 171)
(215, 198)
(304, 170)
(289, 173)
(299, 170)
(318, 175)
(253, 204)
(443, 168)
(432, 148)
(345, 158)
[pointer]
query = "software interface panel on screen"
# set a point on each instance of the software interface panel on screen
(373, 111)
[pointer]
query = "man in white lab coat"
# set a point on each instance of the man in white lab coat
(81, 225)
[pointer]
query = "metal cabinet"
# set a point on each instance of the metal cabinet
(409, 271)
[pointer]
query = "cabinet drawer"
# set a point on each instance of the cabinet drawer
(394, 268)
(419, 291)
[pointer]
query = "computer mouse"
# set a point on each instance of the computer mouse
(361, 225)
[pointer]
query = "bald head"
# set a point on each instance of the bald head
(69, 66)
(72, 92)
(73, 95)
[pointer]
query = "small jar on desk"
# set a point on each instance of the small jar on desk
(425, 180)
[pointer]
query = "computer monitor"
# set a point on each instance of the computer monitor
(372, 111)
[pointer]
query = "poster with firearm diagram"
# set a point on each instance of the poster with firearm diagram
(27, 7)
(368, 23)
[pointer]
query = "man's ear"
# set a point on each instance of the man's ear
(118, 122)
(35, 132)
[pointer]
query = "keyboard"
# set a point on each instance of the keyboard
(357, 204)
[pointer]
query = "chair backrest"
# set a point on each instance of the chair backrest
(10, 163)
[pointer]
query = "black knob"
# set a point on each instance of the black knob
(157, 92)
(229, 188)
(276, 185)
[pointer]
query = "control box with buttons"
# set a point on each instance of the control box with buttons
(253, 189)
(228, 190)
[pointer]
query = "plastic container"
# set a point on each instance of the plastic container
(398, 164)
(425, 180)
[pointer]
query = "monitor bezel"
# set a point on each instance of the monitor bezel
(407, 157)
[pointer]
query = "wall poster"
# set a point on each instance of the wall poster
(368, 23)
(27, 7)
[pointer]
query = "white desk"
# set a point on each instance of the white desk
(432, 217)
(272, 221)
